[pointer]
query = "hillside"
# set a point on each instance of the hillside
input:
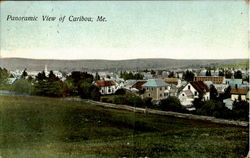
(42, 127)
(86, 65)
(235, 65)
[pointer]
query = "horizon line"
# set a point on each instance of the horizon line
(124, 59)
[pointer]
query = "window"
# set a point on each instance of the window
(149, 94)
(195, 93)
(189, 87)
(160, 88)
(182, 94)
(160, 95)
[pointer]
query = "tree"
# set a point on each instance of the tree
(89, 91)
(128, 76)
(227, 93)
(97, 77)
(4, 75)
(23, 86)
(188, 76)
(52, 76)
(246, 78)
(171, 104)
(241, 110)
(138, 76)
(222, 72)
(147, 102)
(213, 92)
(95, 93)
(213, 108)
(71, 87)
(208, 73)
(24, 74)
(152, 72)
(198, 103)
(120, 91)
(171, 74)
(228, 74)
(30, 79)
(128, 99)
(75, 80)
(238, 74)
(41, 76)
(50, 86)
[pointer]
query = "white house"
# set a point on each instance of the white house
(243, 94)
(107, 87)
(192, 90)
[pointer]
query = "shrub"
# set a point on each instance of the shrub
(22, 86)
(129, 99)
(120, 91)
(88, 91)
(214, 108)
(171, 104)
(148, 102)
(241, 110)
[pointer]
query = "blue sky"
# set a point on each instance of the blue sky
(149, 29)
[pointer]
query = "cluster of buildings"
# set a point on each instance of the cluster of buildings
(186, 92)
(16, 74)
(159, 86)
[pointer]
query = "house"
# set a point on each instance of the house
(235, 95)
(239, 93)
(12, 80)
(233, 83)
(155, 89)
(192, 90)
(219, 87)
(214, 79)
(147, 75)
(186, 97)
(173, 81)
(129, 83)
(107, 87)
(138, 84)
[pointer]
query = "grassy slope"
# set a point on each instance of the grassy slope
(45, 127)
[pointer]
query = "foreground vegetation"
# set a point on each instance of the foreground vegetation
(47, 127)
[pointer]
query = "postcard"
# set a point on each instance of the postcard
(123, 79)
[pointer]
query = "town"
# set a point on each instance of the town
(211, 91)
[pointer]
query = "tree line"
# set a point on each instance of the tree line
(76, 84)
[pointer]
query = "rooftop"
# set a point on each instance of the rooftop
(105, 83)
(155, 83)
(200, 86)
(138, 84)
(239, 91)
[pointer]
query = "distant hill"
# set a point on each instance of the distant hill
(235, 65)
(109, 65)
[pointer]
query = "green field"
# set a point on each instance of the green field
(39, 127)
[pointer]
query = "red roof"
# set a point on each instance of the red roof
(105, 83)
(138, 84)
(200, 86)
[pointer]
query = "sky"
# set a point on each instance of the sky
(139, 29)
